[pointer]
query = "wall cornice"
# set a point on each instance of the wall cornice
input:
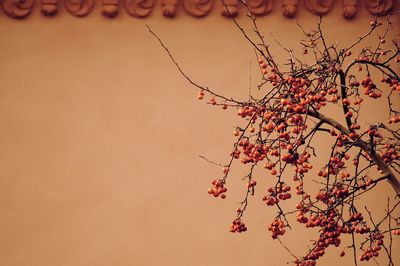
(20, 9)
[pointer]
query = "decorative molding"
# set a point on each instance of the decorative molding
(230, 8)
(260, 7)
(139, 8)
(289, 8)
(379, 7)
(349, 8)
(319, 7)
(110, 8)
(169, 8)
(17, 8)
(198, 8)
(49, 8)
(79, 8)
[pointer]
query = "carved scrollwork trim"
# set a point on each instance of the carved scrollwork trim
(17, 8)
(319, 7)
(169, 8)
(198, 8)
(49, 7)
(110, 8)
(260, 7)
(349, 8)
(289, 8)
(79, 8)
(379, 7)
(139, 8)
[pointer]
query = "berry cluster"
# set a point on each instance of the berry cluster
(373, 250)
(330, 236)
(279, 192)
(218, 189)
(251, 184)
(390, 153)
(277, 228)
(238, 226)
(253, 152)
(340, 192)
(370, 88)
(200, 95)
(394, 119)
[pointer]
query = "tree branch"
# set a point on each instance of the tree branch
(385, 169)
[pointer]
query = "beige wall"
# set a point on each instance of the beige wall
(100, 137)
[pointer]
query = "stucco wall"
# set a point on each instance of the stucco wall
(100, 137)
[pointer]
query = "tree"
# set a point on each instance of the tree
(279, 129)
